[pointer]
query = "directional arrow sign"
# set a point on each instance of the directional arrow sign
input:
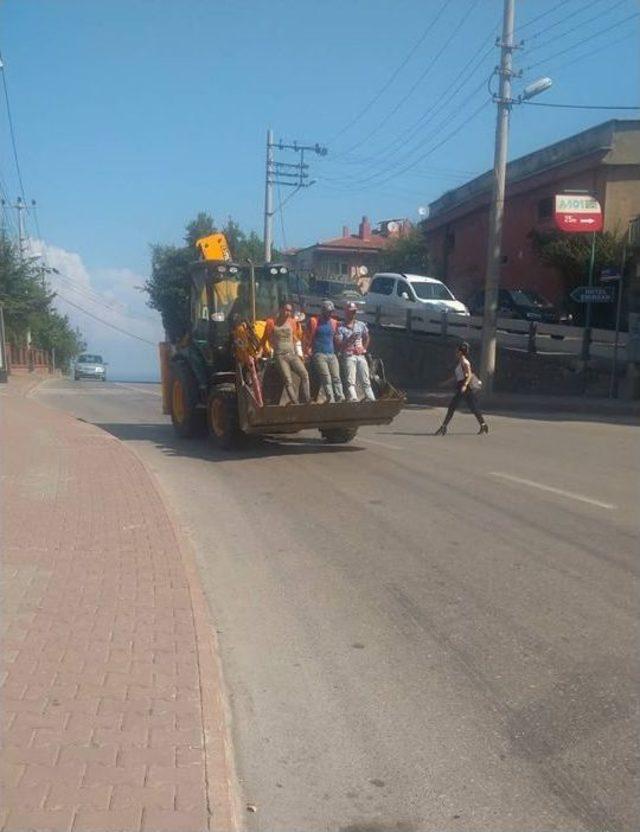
(592, 294)
(577, 213)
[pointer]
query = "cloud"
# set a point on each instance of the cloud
(106, 304)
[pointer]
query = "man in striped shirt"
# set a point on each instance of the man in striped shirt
(352, 339)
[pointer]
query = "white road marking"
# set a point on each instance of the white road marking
(377, 442)
(569, 494)
(139, 389)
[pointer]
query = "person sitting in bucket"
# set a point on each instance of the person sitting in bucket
(352, 338)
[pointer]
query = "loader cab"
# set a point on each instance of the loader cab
(272, 289)
(219, 291)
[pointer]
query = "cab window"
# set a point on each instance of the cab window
(382, 285)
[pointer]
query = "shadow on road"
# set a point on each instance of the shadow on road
(163, 437)
(613, 418)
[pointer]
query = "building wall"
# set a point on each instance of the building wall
(459, 245)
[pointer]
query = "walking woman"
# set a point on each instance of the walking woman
(466, 381)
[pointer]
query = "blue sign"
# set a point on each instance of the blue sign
(592, 294)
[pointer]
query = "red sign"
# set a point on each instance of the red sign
(577, 213)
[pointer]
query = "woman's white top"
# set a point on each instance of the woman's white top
(463, 368)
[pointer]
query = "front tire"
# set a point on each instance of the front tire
(222, 416)
(338, 436)
(185, 415)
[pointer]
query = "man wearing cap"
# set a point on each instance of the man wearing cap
(321, 334)
(352, 339)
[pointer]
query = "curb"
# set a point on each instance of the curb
(222, 784)
(223, 789)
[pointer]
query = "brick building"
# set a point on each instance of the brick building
(604, 160)
(350, 259)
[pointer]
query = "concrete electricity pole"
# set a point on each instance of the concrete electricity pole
(268, 198)
(285, 174)
(494, 249)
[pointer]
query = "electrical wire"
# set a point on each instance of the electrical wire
(560, 21)
(280, 205)
(465, 16)
(595, 50)
(582, 23)
(392, 77)
(563, 4)
(581, 42)
(446, 97)
(106, 323)
(578, 106)
(11, 130)
(407, 156)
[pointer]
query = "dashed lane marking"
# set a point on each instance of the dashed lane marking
(571, 495)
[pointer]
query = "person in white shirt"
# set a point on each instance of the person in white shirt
(466, 383)
(352, 339)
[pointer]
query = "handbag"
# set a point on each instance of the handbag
(475, 384)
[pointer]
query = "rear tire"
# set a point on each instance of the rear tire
(338, 436)
(222, 416)
(186, 417)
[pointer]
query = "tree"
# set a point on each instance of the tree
(570, 254)
(408, 253)
(28, 306)
(169, 286)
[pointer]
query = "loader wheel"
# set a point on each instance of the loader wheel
(338, 436)
(222, 416)
(186, 417)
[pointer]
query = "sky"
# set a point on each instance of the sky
(130, 116)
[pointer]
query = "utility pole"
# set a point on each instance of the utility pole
(20, 207)
(268, 198)
(494, 249)
(284, 173)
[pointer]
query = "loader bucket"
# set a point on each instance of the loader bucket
(297, 417)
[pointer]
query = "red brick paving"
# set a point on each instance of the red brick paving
(108, 683)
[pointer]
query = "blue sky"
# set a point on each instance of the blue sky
(133, 115)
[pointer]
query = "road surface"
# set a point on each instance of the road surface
(417, 632)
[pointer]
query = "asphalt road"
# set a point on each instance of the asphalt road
(417, 633)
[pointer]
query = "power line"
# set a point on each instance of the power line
(11, 130)
(393, 76)
(563, 4)
(465, 16)
(578, 106)
(581, 42)
(595, 50)
(441, 103)
(562, 20)
(432, 149)
(563, 35)
(106, 323)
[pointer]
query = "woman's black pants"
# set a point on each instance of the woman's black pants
(469, 395)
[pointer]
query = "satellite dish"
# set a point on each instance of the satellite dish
(423, 212)
(363, 271)
(392, 227)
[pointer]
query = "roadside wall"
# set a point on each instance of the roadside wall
(415, 361)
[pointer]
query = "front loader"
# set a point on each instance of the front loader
(215, 378)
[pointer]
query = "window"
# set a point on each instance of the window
(344, 269)
(382, 285)
(90, 359)
(404, 289)
(545, 208)
(432, 291)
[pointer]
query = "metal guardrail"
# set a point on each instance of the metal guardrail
(529, 336)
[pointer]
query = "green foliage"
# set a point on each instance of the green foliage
(570, 254)
(27, 305)
(168, 287)
(54, 331)
(407, 254)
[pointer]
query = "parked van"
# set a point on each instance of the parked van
(394, 293)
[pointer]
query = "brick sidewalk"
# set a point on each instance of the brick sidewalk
(111, 706)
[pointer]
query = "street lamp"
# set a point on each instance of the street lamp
(531, 90)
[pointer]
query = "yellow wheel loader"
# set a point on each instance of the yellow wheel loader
(217, 378)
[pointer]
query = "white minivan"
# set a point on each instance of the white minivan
(394, 293)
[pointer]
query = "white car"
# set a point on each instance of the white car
(394, 293)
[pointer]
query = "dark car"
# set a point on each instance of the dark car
(526, 304)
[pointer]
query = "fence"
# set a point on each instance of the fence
(30, 359)
(526, 336)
